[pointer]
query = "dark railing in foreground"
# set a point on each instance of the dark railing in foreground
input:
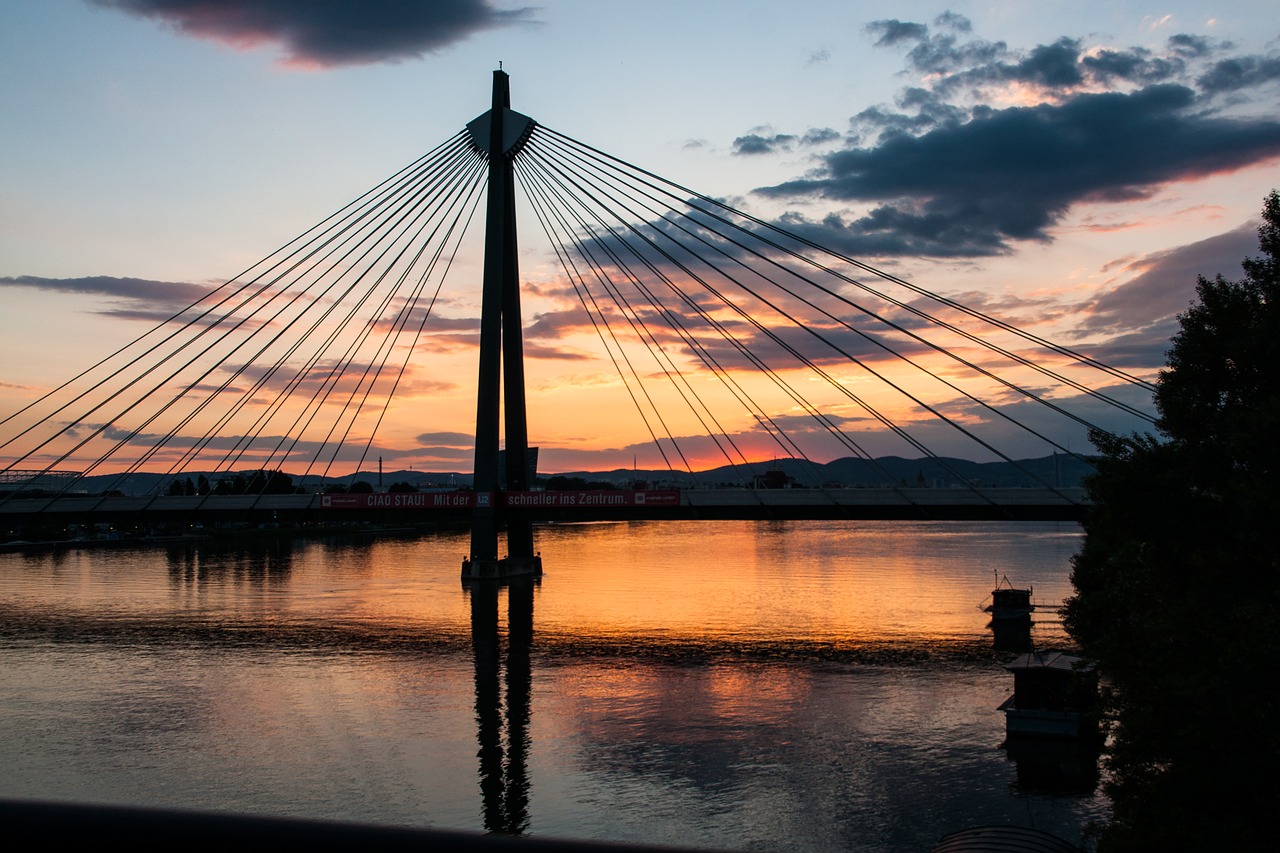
(50, 823)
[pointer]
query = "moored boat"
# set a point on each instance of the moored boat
(1009, 602)
(1053, 696)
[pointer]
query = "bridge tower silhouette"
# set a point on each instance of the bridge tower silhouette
(499, 134)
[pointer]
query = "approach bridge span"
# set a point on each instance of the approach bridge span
(174, 514)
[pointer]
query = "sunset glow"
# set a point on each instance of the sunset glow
(1072, 183)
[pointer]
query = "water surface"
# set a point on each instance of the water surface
(737, 685)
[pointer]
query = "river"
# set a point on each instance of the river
(730, 685)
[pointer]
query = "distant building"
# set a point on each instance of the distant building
(774, 478)
(37, 482)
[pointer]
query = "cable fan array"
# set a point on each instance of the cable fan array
(294, 361)
(712, 291)
(727, 333)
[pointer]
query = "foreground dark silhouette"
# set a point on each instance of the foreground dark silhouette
(69, 823)
(1178, 584)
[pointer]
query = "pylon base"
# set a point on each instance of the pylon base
(506, 567)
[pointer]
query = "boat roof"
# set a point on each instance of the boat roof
(1002, 839)
(1047, 660)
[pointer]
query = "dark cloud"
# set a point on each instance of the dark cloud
(959, 66)
(180, 293)
(888, 231)
(891, 32)
(819, 135)
(130, 298)
(1240, 72)
(969, 188)
(754, 143)
(329, 33)
(758, 142)
(1185, 44)
(953, 21)
(1055, 65)
(944, 55)
(943, 173)
(1135, 65)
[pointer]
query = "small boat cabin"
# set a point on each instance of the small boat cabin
(1008, 602)
(1052, 693)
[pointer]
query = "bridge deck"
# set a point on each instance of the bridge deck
(1066, 504)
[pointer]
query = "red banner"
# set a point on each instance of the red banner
(592, 498)
(401, 500)
(514, 500)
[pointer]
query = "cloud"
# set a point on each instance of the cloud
(991, 145)
(754, 143)
(455, 440)
(757, 142)
(276, 451)
(332, 33)
(1235, 73)
(136, 289)
(819, 135)
(1165, 283)
(134, 298)
(339, 381)
(891, 32)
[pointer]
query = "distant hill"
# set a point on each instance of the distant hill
(1055, 470)
(850, 472)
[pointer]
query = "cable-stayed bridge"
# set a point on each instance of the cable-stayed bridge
(733, 339)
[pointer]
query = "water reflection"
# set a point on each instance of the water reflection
(809, 687)
(1060, 766)
(1011, 635)
(264, 563)
(504, 776)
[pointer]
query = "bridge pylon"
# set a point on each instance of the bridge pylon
(499, 134)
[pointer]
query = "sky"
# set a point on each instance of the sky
(1070, 166)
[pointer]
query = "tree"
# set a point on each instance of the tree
(1177, 586)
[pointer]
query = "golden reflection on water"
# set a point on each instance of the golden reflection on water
(721, 585)
(829, 582)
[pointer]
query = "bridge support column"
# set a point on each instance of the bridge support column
(500, 133)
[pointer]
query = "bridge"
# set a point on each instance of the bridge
(731, 335)
(157, 515)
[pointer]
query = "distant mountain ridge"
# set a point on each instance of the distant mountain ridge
(850, 472)
(1058, 470)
